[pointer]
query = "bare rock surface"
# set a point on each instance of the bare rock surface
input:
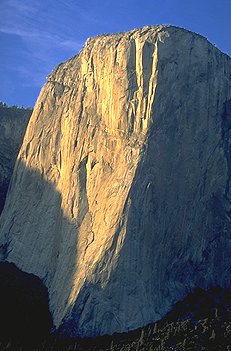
(13, 122)
(120, 198)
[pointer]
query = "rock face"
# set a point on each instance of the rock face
(13, 122)
(120, 199)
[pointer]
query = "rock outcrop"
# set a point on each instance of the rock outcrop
(120, 198)
(13, 122)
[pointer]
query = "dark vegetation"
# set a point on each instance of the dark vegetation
(14, 108)
(202, 321)
(24, 313)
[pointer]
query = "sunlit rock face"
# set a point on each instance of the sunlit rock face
(13, 122)
(120, 199)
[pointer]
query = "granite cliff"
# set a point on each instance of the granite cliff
(13, 122)
(120, 198)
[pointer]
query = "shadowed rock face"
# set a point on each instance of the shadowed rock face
(120, 199)
(13, 122)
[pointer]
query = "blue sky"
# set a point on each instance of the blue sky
(35, 35)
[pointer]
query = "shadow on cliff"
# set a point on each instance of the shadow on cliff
(3, 192)
(176, 239)
(25, 315)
